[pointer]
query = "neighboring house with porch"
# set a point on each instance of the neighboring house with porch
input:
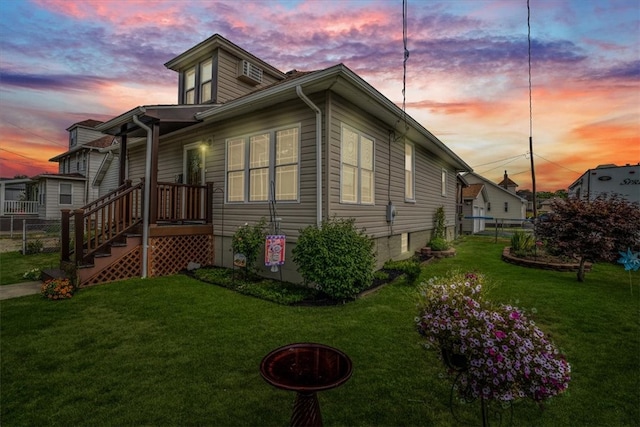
(247, 141)
(14, 200)
(502, 204)
(86, 171)
(474, 200)
(608, 179)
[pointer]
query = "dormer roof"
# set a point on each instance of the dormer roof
(214, 42)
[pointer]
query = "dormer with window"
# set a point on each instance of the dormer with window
(218, 71)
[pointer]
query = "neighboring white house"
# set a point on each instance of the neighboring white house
(86, 171)
(502, 204)
(473, 208)
(608, 179)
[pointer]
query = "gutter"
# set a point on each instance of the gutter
(311, 105)
(146, 197)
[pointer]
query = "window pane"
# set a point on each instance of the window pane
(235, 154)
(205, 71)
(65, 194)
(206, 92)
(235, 186)
(366, 195)
(408, 172)
(259, 185)
(408, 184)
(287, 146)
(287, 182)
(444, 183)
(349, 184)
(349, 147)
(190, 97)
(190, 79)
(259, 153)
(366, 149)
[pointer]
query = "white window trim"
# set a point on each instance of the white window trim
(272, 166)
(373, 170)
(411, 199)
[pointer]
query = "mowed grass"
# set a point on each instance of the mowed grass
(176, 351)
(13, 265)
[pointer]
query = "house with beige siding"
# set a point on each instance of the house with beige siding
(247, 141)
(502, 205)
(84, 172)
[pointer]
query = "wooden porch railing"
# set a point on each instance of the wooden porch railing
(106, 219)
(179, 203)
(101, 222)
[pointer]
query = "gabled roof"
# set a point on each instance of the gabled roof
(341, 80)
(472, 191)
(494, 185)
(507, 182)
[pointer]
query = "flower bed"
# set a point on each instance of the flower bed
(545, 262)
(501, 355)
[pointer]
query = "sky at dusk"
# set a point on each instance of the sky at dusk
(64, 61)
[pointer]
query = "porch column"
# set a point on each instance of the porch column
(122, 168)
(153, 179)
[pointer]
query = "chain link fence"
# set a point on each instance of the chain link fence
(31, 235)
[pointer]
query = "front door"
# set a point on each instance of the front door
(193, 173)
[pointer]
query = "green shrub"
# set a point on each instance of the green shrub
(438, 244)
(410, 267)
(33, 274)
(522, 242)
(336, 257)
(381, 275)
(249, 241)
(34, 247)
(439, 221)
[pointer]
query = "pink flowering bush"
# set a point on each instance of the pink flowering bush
(497, 352)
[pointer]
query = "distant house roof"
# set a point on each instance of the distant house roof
(89, 123)
(102, 142)
(472, 191)
(507, 182)
(70, 176)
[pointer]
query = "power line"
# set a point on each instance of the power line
(35, 134)
(557, 164)
(21, 155)
(501, 160)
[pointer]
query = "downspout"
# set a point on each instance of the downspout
(318, 153)
(147, 197)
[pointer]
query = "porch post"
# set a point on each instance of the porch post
(79, 235)
(209, 203)
(153, 179)
(64, 237)
(122, 172)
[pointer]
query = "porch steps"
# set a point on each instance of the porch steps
(109, 260)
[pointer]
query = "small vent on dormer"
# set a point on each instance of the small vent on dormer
(249, 73)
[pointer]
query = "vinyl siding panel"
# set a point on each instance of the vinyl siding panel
(412, 217)
(229, 87)
(110, 180)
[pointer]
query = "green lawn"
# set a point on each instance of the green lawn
(13, 265)
(176, 351)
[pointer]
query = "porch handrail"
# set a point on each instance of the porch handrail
(20, 207)
(184, 202)
(101, 222)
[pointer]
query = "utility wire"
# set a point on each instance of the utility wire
(404, 63)
(35, 134)
(533, 170)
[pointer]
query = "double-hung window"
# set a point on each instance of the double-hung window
(66, 194)
(357, 168)
(409, 176)
(205, 80)
(190, 86)
(264, 162)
